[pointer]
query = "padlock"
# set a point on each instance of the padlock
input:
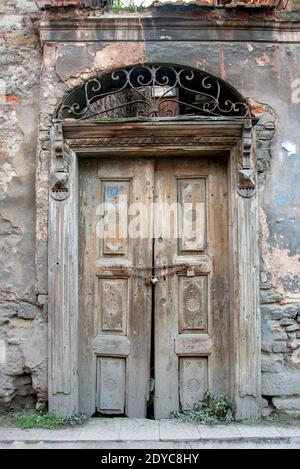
(154, 280)
(190, 272)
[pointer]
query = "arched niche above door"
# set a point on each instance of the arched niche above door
(153, 91)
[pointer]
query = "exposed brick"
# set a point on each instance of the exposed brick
(10, 99)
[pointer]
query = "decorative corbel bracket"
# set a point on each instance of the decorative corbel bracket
(59, 148)
(60, 177)
(60, 186)
(246, 171)
(247, 143)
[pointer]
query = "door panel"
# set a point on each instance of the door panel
(191, 297)
(115, 319)
(193, 380)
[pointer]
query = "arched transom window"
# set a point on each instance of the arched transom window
(153, 91)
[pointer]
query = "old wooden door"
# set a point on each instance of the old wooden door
(191, 296)
(182, 234)
(115, 318)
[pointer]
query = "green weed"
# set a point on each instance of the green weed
(212, 409)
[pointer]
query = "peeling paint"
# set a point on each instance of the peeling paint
(263, 60)
(7, 172)
(290, 147)
(201, 63)
(119, 54)
(277, 261)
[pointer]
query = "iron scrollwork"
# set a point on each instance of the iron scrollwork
(150, 92)
(153, 91)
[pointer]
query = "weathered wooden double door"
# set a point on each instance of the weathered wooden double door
(154, 286)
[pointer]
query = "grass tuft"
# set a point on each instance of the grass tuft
(212, 409)
(26, 421)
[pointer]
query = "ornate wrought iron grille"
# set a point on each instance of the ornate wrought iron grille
(153, 91)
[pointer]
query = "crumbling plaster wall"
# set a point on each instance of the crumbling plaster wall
(23, 327)
(266, 72)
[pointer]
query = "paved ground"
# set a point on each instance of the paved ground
(123, 433)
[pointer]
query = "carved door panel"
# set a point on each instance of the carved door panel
(115, 317)
(191, 296)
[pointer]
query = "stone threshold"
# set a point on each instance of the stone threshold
(143, 433)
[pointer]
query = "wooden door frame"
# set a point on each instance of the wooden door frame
(197, 137)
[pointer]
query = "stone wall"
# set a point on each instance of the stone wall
(23, 326)
(262, 71)
(280, 317)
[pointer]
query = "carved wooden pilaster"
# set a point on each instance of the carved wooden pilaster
(245, 282)
(63, 278)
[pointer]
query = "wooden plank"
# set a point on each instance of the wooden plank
(166, 315)
(219, 279)
(193, 344)
(207, 127)
(139, 325)
(111, 345)
(89, 199)
(191, 312)
(115, 301)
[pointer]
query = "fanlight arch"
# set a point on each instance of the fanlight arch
(153, 91)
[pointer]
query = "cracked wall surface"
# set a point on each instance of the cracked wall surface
(263, 71)
(23, 326)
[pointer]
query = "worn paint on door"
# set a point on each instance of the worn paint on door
(191, 298)
(115, 322)
(182, 204)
